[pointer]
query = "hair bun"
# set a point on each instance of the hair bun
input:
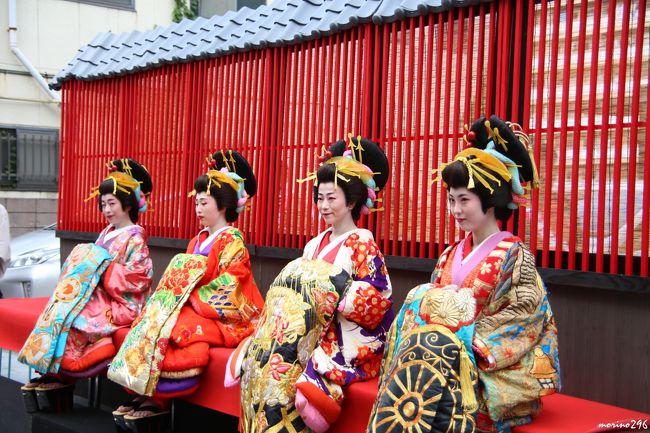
(235, 162)
(136, 170)
(372, 156)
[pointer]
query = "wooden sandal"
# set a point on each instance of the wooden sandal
(118, 416)
(158, 422)
(28, 392)
(57, 399)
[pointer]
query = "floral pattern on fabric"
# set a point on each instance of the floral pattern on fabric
(448, 305)
(137, 365)
(353, 345)
(227, 293)
(80, 275)
(362, 248)
(118, 298)
(481, 279)
(368, 307)
(221, 310)
(300, 304)
(515, 340)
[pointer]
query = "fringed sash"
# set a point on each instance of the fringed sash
(137, 364)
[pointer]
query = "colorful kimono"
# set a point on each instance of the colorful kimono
(115, 303)
(323, 327)
(220, 309)
(514, 335)
(228, 298)
(138, 363)
(79, 277)
(300, 305)
(515, 339)
(112, 302)
(353, 345)
(428, 379)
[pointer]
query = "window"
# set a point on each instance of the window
(115, 4)
(29, 159)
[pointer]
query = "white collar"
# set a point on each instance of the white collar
(116, 232)
(211, 238)
(333, 243)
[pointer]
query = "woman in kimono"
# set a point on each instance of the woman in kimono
(223, 306)
(488, 297)
(351, 344)
(122, 290)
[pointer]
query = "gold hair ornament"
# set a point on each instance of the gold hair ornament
(122, 180)
(226, 176)
(478, 162)
(217, 178)
(348, 166)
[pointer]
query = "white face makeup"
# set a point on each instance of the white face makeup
(331, 204)
(113, 211)
(465, 207)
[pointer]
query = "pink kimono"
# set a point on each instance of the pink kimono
(115, 303)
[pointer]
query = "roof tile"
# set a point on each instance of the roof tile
(280, 23)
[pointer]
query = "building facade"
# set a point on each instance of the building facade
(42, 36)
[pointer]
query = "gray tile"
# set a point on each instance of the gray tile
(281, 23)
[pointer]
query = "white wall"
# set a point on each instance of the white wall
(49, 34)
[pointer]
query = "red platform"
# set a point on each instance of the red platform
(561, 413)
(17, 319)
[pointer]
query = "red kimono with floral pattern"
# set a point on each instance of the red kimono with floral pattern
(223, 308)
(515, 337)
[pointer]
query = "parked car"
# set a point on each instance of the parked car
(35, 265)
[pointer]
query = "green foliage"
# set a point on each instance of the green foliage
(182, 10)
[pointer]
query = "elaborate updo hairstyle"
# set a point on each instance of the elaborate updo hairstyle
(360, 167)
(130, 183)
(230, 181)
(499, 155)
(456, 175)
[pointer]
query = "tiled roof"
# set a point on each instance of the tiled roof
(280, 23)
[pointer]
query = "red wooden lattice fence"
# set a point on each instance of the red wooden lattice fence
(574, 74)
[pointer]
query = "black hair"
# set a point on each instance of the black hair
(456, 175)
(355, 190)
(226, 197)
(127, 200)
